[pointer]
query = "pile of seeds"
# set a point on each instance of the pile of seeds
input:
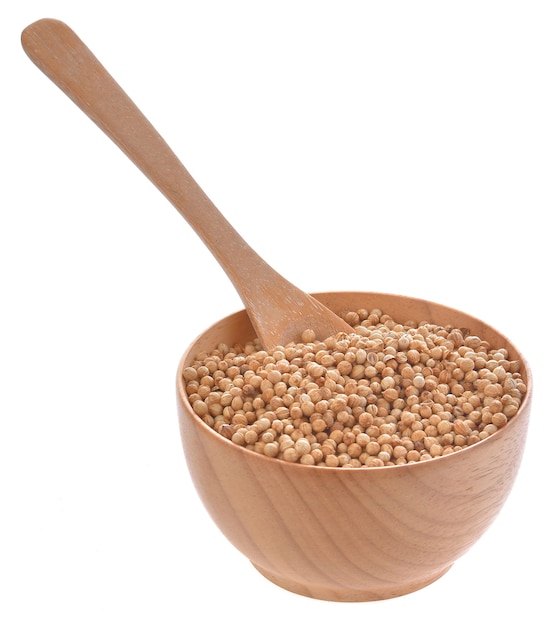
(386, 394)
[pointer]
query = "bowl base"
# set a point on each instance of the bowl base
(349, 594)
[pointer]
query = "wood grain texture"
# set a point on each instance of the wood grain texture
(352, 534)
(279, 311)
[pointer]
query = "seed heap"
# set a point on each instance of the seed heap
(387, 394)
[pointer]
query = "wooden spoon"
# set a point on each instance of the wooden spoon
(278, 310)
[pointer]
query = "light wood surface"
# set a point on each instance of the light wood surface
(352, 534)
(279, 311)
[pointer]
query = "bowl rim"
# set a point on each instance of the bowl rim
(523, 410)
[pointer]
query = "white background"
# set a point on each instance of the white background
(407, 147)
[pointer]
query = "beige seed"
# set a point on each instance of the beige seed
(331, 460)
(384, 456)
(290, 455)
(302, 446)
(499, 420)
(271, 449)
(461, 427)
(466, 364)
(200, 408)
(308, 336)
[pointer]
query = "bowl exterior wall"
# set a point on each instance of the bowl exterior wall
(352, 534)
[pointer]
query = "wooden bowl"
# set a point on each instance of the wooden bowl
(353, 534)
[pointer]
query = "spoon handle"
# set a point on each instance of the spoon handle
(66, 60)
(269, 298)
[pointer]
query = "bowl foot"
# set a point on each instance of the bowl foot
(347, 594)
